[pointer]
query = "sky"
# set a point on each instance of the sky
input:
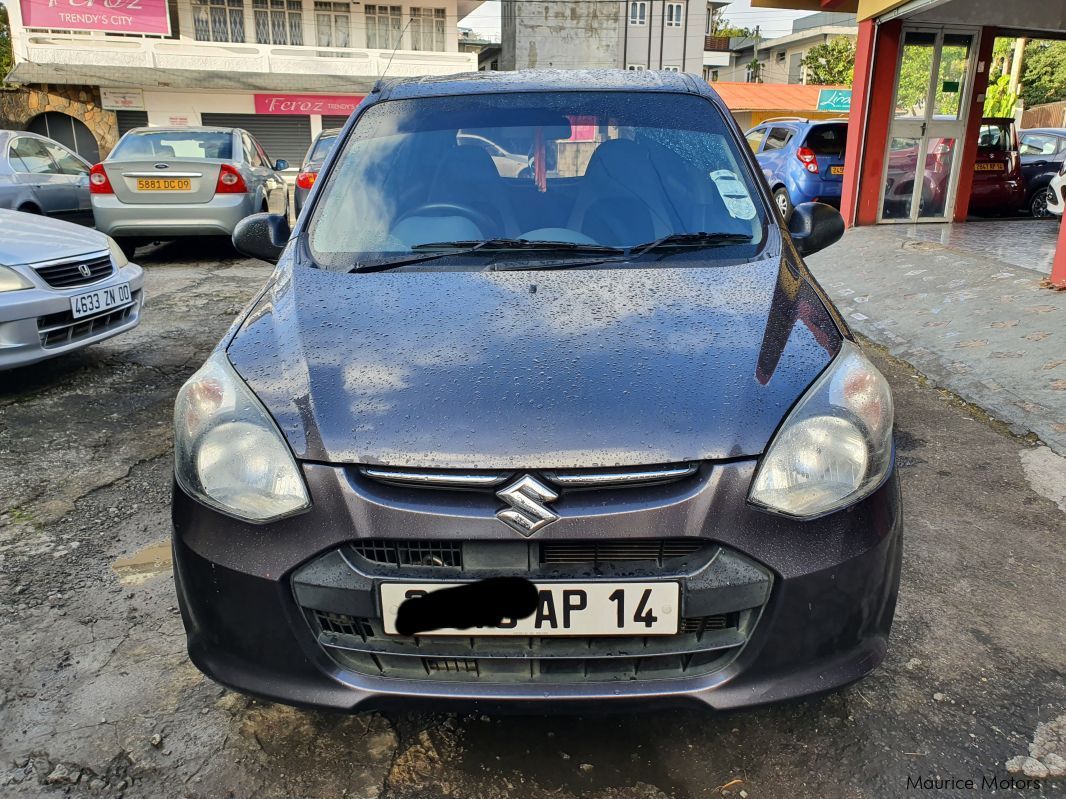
(773, 22)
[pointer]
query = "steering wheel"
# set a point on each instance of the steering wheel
(484, 222)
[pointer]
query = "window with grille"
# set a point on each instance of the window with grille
(218, 20)
(384, 24)
(278, 21)
(674, 14)
(638, 12)
(636, 67)
(427, 29)
(333, 24)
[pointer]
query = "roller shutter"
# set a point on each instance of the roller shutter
(128, 120)
(333, 121)
(285, 137)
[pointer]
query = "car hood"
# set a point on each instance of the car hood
(28, 238)
(576, 368)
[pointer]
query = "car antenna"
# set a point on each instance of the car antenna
(396, 47)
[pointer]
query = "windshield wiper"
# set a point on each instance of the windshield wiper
(453, 248)
(637, 250)
(689, 240)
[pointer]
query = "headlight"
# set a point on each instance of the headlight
(228, 453)
(117, 256)
(10, 280)
(835, 447)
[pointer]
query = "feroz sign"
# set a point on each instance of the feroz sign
(116, 16)
(121, 99)
(301, 104)
(834, 100)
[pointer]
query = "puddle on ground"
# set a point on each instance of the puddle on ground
(145, 563)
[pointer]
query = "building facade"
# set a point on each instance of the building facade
(780, 60)
(628, 34)
(283, 69)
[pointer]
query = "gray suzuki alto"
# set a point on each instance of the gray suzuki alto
(583, 434)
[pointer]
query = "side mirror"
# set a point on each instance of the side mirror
(814, 226)
(281, 164)
(262, 236)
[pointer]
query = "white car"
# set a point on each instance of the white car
(1056, 193)
(62, 287)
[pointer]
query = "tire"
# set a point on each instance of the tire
(30, 208)
(1038, 205)
(128, 247)
(783, 202)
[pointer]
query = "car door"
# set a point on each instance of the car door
(34, 168)
(275, 190)
(774, 153)
(75, 172)
(1041, 155)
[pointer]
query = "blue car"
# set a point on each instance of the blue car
(802, 159)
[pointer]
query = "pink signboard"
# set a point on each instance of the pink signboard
(332, 104)
(117, 16)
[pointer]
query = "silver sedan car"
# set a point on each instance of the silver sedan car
(165, 183)
(62, 287)
(41, 176)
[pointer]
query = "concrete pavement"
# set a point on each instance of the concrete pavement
(964, 305)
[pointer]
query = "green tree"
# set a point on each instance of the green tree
(1044, 73)
(831, 64)
(723, 27)
(999, 99)
(6, 59)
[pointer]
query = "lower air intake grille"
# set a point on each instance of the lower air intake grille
(595, 552)
(411, 553)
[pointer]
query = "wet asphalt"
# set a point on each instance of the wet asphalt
(97, 697)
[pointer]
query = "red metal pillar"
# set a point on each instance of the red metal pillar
(876, 54)
(968, 149)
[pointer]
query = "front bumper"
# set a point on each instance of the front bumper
(247, 593)
(218, 216)
(36, 324)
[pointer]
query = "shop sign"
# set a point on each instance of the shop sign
(116, 16)
(122, 99)
(834, 100)
(307, 104)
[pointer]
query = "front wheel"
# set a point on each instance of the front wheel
(783, 202)
(1038, 205)
(128, 247)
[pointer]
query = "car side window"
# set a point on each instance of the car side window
(262, 154)
(251, 153)
(755, 137)
(68, 163)
(1039, 144)
(34, 157)
(777, 139)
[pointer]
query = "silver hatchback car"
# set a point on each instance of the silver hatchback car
(41, 176)
(165, 183)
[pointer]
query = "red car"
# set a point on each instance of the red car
(998, 186)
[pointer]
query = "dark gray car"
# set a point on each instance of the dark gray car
(316, 156)
(588, 434)
(41, 176)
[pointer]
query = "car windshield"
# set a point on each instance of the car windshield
(583, 169)
(994, 137)
(175, 144)
(828, 140)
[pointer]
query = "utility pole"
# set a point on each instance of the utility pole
(1016, 64)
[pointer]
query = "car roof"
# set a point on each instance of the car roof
(1053, 131)
(538, 80)
(183, 129)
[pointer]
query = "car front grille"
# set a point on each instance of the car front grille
(59, 329)
(722, 596)
(449, 554)
(703, 644)
(76, 272)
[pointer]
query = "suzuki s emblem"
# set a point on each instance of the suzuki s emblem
(85, 270)
(529, 511)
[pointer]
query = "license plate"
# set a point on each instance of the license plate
(988, 167)
(100, 300)
(836, 170)
(582, 609)
(164, 184)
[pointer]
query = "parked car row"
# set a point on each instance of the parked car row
(803, 160)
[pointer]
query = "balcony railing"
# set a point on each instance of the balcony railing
(716, 44)
(73, 50)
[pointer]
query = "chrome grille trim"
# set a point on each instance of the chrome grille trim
(437, 478)
(618, 477)
(64, 273)
(565, 478)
